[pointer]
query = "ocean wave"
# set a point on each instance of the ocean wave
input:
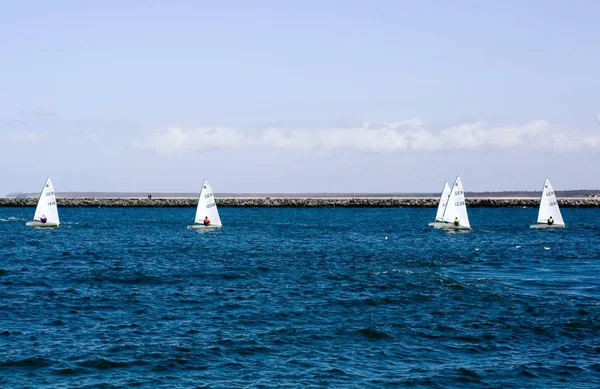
(30, 362)
(100, 363)
(374, 333)
(66, 371)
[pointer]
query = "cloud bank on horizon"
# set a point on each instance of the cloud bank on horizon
(389, 137)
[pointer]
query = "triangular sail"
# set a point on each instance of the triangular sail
(46, 205)
(549, 206)
(456, 207)
(443, 201)
(207, 207)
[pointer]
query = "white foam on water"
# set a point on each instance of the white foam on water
(13, 219)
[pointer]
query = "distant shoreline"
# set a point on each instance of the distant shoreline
(578, 193)
(302, 202)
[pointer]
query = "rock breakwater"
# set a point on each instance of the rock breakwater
(300, 202)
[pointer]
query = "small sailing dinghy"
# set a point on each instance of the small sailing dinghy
(549, 215)
(439, 216)
(455, 216)
(207, 208)
(46, 212)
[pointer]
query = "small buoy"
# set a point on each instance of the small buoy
(476, 249)
(386, 237)
(517, 246)
(546, 248)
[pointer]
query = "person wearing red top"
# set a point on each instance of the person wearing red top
(206, 221)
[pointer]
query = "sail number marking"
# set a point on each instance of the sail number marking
(49, 193)
(209, 195)
(51, 202)
(550, 193)
(211, 205)
(552, 203)
(458, 192)
(459, 203)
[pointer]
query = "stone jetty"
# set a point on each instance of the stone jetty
(301, 202)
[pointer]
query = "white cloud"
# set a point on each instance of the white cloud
(27, 137)
(176, 140)
(410, 135)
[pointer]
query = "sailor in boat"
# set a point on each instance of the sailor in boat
(550, 221)
(43, 219)
(206, 221)
(456, 221)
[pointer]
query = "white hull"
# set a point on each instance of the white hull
(40, 224)
(203, 227)
(437, 224)
(545, 225)
(448, 226)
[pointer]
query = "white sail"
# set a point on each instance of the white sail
(207, 207)
(456, 207)
(443, 201)
(549, 206)
(46, 205)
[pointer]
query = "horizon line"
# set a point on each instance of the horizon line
(138, 194)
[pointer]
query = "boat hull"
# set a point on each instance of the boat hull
(544, 226)
(448, 226)
(203, 227)
(40, 224)
(436, 224)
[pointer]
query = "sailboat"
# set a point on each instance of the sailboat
(46, 212)
(549, 209)
(207, 208)
(456, 209)
(442, 205)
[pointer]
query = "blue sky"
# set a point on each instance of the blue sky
(313, 96)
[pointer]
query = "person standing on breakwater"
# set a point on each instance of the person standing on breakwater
(456, 221)
(550, 221)
(206, 221)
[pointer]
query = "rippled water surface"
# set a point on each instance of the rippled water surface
(299, 298)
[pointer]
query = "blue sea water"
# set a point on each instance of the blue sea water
(299, 298)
